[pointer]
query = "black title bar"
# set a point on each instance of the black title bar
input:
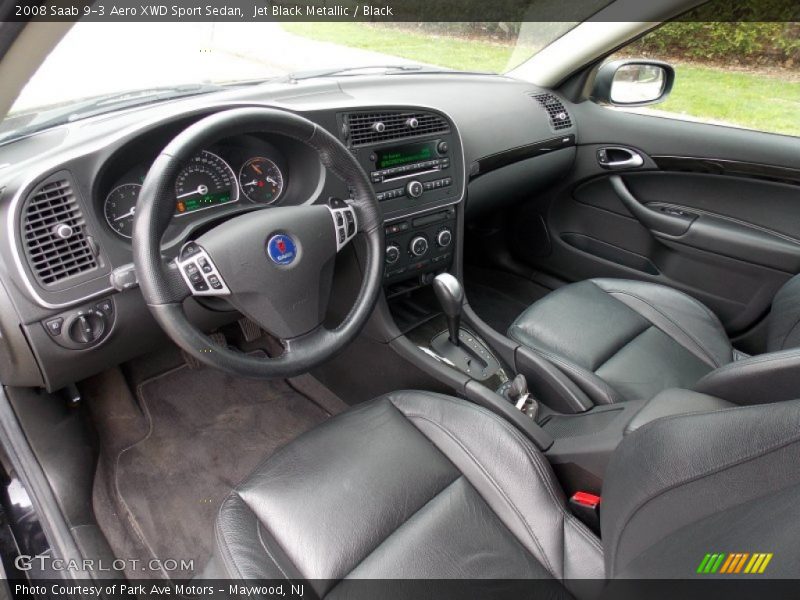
(398, 10)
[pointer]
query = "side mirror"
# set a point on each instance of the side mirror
(633, 82)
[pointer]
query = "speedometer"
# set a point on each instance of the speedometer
(205, 182)
(261, 180)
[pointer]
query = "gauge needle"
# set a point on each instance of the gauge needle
(254, 182)
(130, 213)
(272, 181)
(256, 169)
(201, 189)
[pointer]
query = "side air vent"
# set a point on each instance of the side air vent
(54, 233)
(559, 117)
(373, 127)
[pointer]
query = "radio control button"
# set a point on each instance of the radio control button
(414, 189)
(442, 148)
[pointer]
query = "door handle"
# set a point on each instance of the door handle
(618, 157)
(672, 224)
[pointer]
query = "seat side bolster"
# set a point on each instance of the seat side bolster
(514, 479)
(783, 323)
(239, 533)
(745, 381)
(668, 474)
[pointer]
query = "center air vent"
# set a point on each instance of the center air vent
(373, 127)
(54, 233)
(559, 117)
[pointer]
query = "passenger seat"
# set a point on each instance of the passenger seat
(624, 340)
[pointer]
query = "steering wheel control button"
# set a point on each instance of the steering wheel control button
(203, 264)
(344, 223)
(418, 246)
(281, 249)
(200, 273)
(189, 250)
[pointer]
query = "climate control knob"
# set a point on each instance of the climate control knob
(414, 189)
(444, 238)
(392, 254)
(418, 246)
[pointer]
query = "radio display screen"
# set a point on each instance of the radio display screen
(398, 156)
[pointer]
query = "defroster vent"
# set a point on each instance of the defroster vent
(54, 233)
(374, 127)
(559, 117)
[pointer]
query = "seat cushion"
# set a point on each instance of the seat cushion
(410, 485)
(624, 340)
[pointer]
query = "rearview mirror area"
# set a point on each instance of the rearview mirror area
(633, 82)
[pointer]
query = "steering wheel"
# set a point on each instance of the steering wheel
(274, 265)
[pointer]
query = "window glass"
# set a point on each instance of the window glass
(738, 74)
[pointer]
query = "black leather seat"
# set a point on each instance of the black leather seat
(419, 485)
(626, 340)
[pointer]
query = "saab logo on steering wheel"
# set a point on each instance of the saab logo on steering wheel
(281, 249)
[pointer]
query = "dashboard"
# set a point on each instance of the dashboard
(434, 147)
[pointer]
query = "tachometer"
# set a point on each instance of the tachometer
(120, 206)
(261, 180)
(206, 181)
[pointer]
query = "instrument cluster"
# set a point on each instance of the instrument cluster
(245, 170)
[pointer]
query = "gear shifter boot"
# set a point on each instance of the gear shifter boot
(470, 356)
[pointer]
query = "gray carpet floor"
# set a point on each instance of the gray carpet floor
(171, 455)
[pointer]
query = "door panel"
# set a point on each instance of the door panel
(713, 211)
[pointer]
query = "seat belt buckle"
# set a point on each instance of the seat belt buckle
(586, 507)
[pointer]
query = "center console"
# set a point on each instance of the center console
(415, 161)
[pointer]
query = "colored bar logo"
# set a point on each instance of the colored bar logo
(734, 563)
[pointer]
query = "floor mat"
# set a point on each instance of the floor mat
(204, 431)
(499, 297)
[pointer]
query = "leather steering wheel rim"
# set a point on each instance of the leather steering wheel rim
(164, 287)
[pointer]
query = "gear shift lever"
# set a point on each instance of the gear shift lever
(450, 294)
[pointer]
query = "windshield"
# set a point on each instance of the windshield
(162, 60)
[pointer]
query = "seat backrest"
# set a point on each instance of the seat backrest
(783, 324)
(723, 481)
